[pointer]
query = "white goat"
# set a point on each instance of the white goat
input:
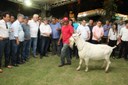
(88, 51)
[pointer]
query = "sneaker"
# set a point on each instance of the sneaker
(34, 56)
(1, 71)
(9, 66)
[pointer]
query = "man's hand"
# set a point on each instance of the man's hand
(58, 42)
(57, 29)
(17, 42)
(1, 38)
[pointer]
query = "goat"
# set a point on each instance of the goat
(88, 51)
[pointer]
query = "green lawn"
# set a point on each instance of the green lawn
(46, 72)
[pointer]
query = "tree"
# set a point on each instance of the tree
(111, 8)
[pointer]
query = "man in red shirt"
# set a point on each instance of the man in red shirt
(66, 33)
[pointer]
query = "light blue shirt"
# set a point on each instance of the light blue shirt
(55, 33)
(106, 32)
(17, 31)
(75, 25)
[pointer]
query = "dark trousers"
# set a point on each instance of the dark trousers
(44, 45)
(104, 39)
(13, 52)
(20, 53)
(123, 52)
(38, 42)
(65, 53)
(112, 43)
(55, 47)
(26, 49)
(95, 42)
(4, 48)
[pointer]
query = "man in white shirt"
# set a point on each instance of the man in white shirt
(123, 39)
(34, 26)
(4, 40)
(17, 40)
(83, 29)
(45, 32)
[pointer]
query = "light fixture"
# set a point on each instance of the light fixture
(84, 14)
(28, 2)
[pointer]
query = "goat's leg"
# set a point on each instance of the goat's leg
(108, 64)
(80, 63)
(104, 64)
(86, 63)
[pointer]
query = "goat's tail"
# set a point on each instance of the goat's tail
(114, 47)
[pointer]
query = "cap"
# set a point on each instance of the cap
(65, 19)
(25, 17)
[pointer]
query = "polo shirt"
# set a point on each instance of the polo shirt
(67, 32)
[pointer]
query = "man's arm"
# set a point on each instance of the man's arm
(59, 39)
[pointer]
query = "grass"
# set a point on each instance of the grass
(46, 72)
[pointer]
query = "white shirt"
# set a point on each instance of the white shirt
(4, 32)
(17, 31)
(34, 26)
(112, 35)
(84, 30)
(45, 29)
(124, 34)
(120, 26)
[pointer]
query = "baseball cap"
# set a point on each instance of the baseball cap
(65, 19)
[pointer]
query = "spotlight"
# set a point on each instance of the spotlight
(27, 2)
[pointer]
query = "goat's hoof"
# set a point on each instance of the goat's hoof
(78, 69)
(86, 70)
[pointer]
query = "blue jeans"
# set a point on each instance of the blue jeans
(65, 53)
(14, 47)
(4, 48)
(26, 49)
(34, 45)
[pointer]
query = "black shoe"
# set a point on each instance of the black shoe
(46, 56)
(41, 57)
(67, 63)
(126, 59)
(118, 57)
(34, 56)
(113, 57)
(61, 65)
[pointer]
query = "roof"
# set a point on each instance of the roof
(38, 4)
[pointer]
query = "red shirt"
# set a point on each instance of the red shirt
(67, 32)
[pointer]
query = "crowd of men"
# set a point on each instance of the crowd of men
(24, 35)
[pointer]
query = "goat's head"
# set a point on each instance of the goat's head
(73, 38)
